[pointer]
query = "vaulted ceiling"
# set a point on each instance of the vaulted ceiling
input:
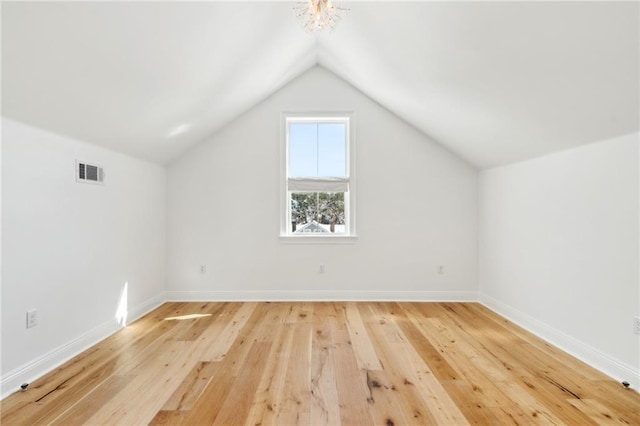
(494, 82)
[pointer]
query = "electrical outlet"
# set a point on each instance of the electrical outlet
(441, 270)
(203, 269)
(321, 269)
(636, 325)
(32, 318)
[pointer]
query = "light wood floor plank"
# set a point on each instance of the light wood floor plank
(191, 387)
(411, 365)
(362, 347)
(79, 414)
(236, 406)
(153, 384)
(323, 364)
(267, 399)
(295, 405)
(325, 405)
(223, 342)
(352, 390)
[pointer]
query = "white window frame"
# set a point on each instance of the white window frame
(349, 236)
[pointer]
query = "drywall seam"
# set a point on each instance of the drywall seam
(608, 365)
(40, 366)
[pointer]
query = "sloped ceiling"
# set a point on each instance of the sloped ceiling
(493, 82)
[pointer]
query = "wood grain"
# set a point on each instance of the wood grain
(323, 364)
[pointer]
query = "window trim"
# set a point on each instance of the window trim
(350, 197)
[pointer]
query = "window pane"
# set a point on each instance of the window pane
(317, 150)
(332, 150)
(303, 150)
(317, 212)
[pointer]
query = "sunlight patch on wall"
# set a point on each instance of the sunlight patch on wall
(178, 130)
(121, 312)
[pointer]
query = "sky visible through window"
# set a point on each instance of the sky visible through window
(317, 150)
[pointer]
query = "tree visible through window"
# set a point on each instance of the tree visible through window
(325, 208)
(318, 180)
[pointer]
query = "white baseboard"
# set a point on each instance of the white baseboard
(322, 295)
(147, 306)
(38, 367)
(610, 366)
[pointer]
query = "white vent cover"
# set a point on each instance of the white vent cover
(89, 173)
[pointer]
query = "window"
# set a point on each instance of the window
(318, 170)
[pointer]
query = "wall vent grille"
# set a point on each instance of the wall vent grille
(89, 173)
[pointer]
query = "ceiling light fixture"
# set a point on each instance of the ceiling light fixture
(316, 15)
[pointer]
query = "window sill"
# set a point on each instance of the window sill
(324, 239)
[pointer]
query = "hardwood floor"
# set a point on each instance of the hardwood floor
(323, 364)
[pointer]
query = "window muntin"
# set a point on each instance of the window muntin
(318, 181)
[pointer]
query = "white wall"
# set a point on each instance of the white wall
(559, 250)
(416, 209)
(68, 248)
